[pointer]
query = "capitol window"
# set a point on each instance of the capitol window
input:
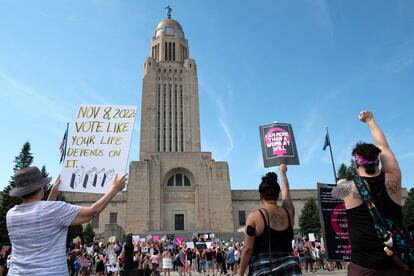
(179, 180)
(169, 30)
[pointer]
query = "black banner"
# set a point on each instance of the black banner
(278, 145)
(334, 225)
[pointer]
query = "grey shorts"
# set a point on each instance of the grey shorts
(209, 264)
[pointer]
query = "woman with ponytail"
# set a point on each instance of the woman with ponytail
(269, 231)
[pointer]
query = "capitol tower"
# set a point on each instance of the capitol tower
(174, 187)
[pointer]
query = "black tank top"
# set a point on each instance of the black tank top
(279, 240)
(129, 256)
(367, 248)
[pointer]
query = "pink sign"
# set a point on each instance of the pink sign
(179, 240)
(156, 238)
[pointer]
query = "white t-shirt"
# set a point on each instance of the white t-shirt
(236, 255)
(38, 233)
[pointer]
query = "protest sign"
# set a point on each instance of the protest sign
(156, 238)
(278, 145)
(334, 225)
(311, 237)
(149, 237)
(179, 240)
(135, 239)
(201, 245)
(189, 245)
(97, 148)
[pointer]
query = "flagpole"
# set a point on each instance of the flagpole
(67, 137)
(330, 150)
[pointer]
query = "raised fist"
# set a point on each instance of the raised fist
(366, 116)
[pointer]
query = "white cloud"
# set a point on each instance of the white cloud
(406, 155)
(226, 129)
(403, 58)
(310, 153)
(39, 103)
(320, 11)
(222, 116)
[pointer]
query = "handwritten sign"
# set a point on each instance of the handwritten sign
(97, 148)
(278, 145)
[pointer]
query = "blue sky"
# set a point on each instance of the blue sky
(309, 63)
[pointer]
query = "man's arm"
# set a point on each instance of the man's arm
(389, 162)
(87, 213)
(286, 199)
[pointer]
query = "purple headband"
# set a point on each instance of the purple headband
(359, 160)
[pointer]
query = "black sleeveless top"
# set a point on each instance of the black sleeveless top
(279, 240)
(367, 248)
(129, 256)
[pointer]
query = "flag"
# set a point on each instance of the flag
(62, 146)
(327, 142)
(77, 240)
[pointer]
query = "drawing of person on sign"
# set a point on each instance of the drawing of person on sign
(278, 145)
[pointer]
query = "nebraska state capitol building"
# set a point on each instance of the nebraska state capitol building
(175, 187)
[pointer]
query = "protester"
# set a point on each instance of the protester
(384, 183)
(236, 258)
(230, 260)
(167, 262)
(308, 252)
(127, 254)
(100, 266)
(155, 260)
(38, 229)
(270, 229)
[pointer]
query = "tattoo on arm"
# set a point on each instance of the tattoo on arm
(288, 203)
(342, 191)
(356, 195)
(392, 187)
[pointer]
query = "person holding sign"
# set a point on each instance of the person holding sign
(38, 229)
(384, 185)
(269, 231)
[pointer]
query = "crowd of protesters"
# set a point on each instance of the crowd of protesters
(163, 257)
(312, 256)
(155, 258)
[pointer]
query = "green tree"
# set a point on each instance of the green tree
(49, 186)
(408, 209)
(88, 233)
(23, 160)
(342, 171)
(309, 221)
(73, 232)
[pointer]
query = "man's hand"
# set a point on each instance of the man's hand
(119, 183)
(282, 168)
(366, 116)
